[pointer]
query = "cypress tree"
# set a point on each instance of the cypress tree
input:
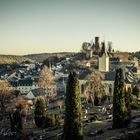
(119, 107)
(136, 91)
(12, 123)
(39, 111)
(17, 120)
(128, 101)
(73, 114)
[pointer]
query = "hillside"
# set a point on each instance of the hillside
(9, 59)
(43, 56)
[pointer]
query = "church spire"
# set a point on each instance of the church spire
(103, 59)
(103, 50)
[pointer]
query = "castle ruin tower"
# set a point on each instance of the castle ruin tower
(103, 61)
(97, 44)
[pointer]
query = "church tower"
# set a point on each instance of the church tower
(103, 61)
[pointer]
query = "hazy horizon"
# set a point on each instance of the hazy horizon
(47, 26)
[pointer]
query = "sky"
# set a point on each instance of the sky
(39, 26)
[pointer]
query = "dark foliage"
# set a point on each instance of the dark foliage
(128, 101)
(136, 91)
(52, 120)
(73, 117)
(39, 121)
(135, 105)
(119, 107)
(39, 112)
(16, 121)
(96, 101)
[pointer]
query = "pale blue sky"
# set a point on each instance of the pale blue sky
(36, 26)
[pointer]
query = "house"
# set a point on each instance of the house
(108, 82)
(31, 95)
(114, 60)
(24, 85)
(61, 84)
(82, 79)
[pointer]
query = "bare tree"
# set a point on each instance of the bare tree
(20, 102)
(46, 79)
(93, 87)
(5, 90)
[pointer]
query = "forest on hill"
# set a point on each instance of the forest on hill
(9, 59)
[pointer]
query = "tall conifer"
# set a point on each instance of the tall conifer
(17, 120)
(119, 107)
(128, 101)
(39, 111)
(73, 114)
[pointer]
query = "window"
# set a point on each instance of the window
(110, 90)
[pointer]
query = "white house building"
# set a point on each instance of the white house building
(25, 85)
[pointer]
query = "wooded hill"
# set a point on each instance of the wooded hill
(9, 59)
(43, 56)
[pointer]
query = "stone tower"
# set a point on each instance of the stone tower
(97, 44)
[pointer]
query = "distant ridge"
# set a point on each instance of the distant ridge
(43, 56)
(9, 59)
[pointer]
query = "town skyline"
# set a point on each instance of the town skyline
(62, 26)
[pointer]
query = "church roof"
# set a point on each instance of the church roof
(110, 76)
(83, 74)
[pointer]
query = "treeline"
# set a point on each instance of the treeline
(53, 60)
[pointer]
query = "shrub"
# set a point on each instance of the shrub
(135, 105)
(51, 120)
(39, 111)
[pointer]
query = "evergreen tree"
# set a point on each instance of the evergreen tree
(51, 120)
(96, 101)
(17, 120)
(128, 101)
(12, 123)
(73, 114)
(119, 107)
(39, 111)
(136, 91)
